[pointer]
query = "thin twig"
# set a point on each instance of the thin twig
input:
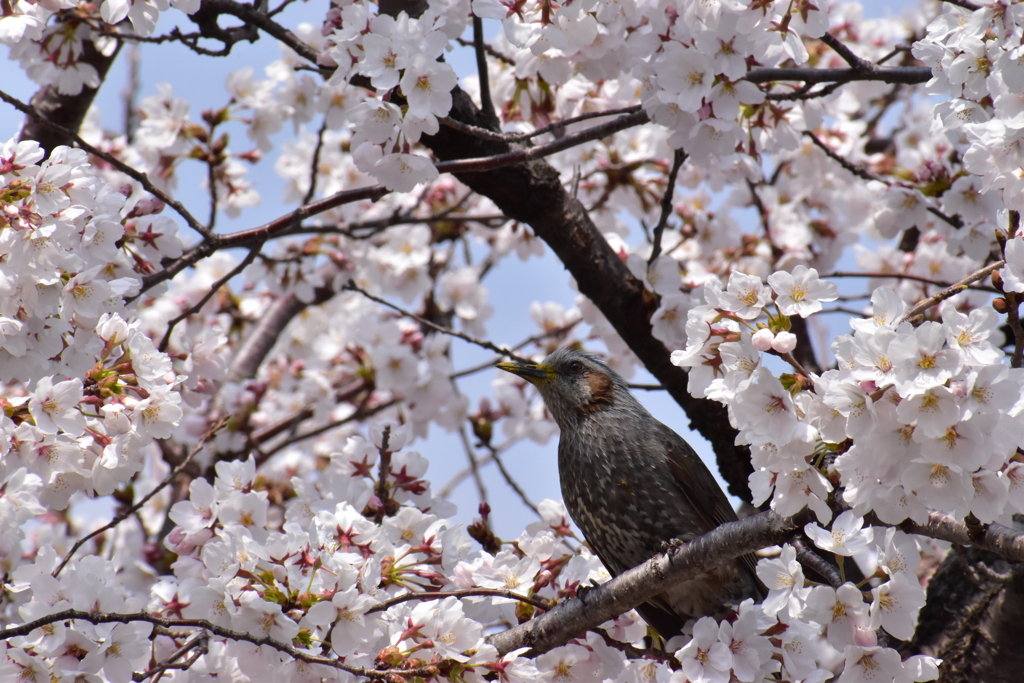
(966, 4)
(522, 137)
(466, 593)
(141, 178)
(198, 640)
(845, 163)
(558, 331)
(908, 75)
(275, 228)
(901, 276)
(352, 287)
(128, 512)
(646, 387)
(426, 672)
(474, 464)
(952, 290)
(486, 105)
(314, 165)
(513, 484)
(383, 493)
(360, 414)
(846, 53)
(523, 155)
(214, 288)
(678, 158)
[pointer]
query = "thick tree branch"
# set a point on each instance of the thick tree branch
(995, 538)
(631, 588)
(908, 75)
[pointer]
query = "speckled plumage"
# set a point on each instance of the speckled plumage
(630, 483)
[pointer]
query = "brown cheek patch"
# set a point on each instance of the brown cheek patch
(601, 391)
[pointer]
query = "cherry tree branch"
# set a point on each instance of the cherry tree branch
(952, 290)
(551, 127)
(678, 159)
(267, 231)
(467, 593)
(907, 75)
(220, 631)
(214, 288)
(996, 538)
(902, 276)
(353, 287)
(846, 53)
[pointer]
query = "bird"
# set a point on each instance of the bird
(632, 485)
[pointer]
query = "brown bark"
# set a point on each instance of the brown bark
(972, 619)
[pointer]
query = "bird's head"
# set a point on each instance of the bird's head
(573, 384)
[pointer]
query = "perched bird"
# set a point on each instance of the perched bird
(631, 484)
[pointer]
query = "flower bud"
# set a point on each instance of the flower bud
(763, 339)
(784, 342)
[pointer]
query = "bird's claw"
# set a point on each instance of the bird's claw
(672, 544)
(582, 591)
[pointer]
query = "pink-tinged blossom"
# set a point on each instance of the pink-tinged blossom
(992, 389)
(841, 611)
(964, 444)
(900, 556)
(158, 414)
(122, 648)
(871, 664)
(895, 605)
(444, 622)
(784, 578)
(751, 653)
(264, 619)
(403, 172)
(568, 662)
(801, 292)
(991, 493)
(705, 659)
(427, 85)
(969, 334)
(846, 536)
(746, 296)
(932, 412)
(54, 407)
(345, 614)
(766, 411)
(1013, 272)
(686, 74)
(941, 487)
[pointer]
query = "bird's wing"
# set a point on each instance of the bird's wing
(698, 485)
(704, 494)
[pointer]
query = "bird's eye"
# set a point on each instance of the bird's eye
(576, 366)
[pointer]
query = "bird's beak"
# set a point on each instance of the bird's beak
(534, 374)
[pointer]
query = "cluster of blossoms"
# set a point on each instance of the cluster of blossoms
(87, 391)
(976, 60)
